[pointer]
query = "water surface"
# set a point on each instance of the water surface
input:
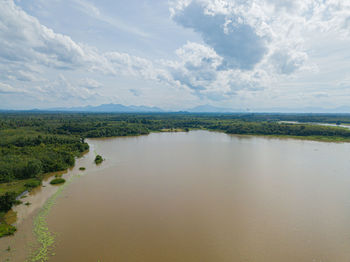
(205, 196)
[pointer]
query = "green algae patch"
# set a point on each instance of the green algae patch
(45, 238)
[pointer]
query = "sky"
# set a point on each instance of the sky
(177, 54)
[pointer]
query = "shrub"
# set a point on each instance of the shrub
(6, 230)
(98, 159)
(33, 183)
(7, 200)
(82, 168)
(57, 181)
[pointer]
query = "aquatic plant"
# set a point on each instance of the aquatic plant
(45, 238)
(82, 168)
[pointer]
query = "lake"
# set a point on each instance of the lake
(206, 196)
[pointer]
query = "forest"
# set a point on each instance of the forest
(33, 144)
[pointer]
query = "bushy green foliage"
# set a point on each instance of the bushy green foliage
(58, 180)
(6, 201)
(6, 229)
(23, 157)
(98, 159)
(33, 183)
(82, 168)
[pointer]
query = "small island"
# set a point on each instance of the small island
(57, 181)
(98, 159)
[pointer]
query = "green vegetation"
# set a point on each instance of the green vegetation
(82, 168)
(6, 230)
(98, 159)
(33, 144)
(6, 201)
(57, 181)
(45, 238)
(32, 183)
(17, 186)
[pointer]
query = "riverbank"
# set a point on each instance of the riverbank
(14, 193)
(29, 219)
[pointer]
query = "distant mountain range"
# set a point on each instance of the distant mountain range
(118, 108)
(210, 109)
(109, 108)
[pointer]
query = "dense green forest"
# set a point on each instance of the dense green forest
(32, 144)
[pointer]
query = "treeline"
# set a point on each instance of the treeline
(267, 128)
(28, 154)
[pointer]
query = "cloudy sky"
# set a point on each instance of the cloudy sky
(175, 54)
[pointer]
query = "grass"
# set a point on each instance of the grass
(57, 181)
(32, 183)
(6, 229)
(17, 186)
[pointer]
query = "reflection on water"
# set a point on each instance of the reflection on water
(204, 196)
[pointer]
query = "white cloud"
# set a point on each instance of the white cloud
(91, 10)
(248, 46)
(260, 42)
(90, 83)
(7, 89)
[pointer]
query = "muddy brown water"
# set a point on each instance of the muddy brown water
(205, 196)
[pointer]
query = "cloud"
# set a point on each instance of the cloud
(8, 89)
(135, 92)
(238, 43)
(90, 83)
(32, 52)
(199, 68)
(247, 46)
(320, 95)
(63, 89)
(91, 10)
(23, 38)
(259, 42)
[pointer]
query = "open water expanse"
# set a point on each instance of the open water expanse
(200, 196)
